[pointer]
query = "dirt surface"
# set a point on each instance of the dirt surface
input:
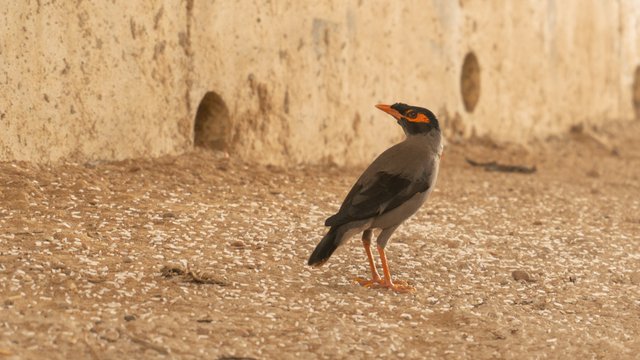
(201, 256)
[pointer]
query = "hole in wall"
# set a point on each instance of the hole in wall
(212, 126)
(635, 92)
(470, 81)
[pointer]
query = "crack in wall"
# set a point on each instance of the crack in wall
(186, 125)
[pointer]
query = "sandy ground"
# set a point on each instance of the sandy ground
(201, 256)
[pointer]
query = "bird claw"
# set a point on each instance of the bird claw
(401, 283)
(398, 286)
(401, 287)
(373, 283)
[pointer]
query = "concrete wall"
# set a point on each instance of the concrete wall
(92, 80)
(297, 80)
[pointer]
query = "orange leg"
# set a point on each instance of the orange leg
(400, 287)
(375, 277)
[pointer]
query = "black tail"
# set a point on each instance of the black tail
(325, 248)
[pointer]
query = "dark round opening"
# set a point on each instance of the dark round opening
(470, 82)
(212, 126)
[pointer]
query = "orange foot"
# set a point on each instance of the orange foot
(373, 283)
(399, 286)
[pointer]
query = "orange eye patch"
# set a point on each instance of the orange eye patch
(419, 118)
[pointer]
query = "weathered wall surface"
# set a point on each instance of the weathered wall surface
(294, 80)
(92, 80)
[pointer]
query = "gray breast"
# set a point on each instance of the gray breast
(401, 213)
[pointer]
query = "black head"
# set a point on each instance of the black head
(414, 120)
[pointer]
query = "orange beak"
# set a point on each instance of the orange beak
(389, 110)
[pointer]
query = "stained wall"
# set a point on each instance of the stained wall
(296, 81)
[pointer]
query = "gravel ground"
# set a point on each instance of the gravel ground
(202, 256)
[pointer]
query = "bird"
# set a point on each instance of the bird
(395, 185)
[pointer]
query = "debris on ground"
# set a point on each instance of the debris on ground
(519, 275)
(199, 256)
(494, 166)
(187, 274)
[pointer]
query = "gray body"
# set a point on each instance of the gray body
(389, 191)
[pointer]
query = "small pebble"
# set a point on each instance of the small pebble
(519, 275)
(593, 173)
(111, 335)
(238, 244)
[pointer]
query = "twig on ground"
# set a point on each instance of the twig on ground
(494, 166)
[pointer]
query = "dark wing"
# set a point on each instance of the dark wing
(384, 193)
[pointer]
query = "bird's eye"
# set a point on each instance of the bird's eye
(411, 114)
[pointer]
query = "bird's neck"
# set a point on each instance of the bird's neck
(431, 140)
